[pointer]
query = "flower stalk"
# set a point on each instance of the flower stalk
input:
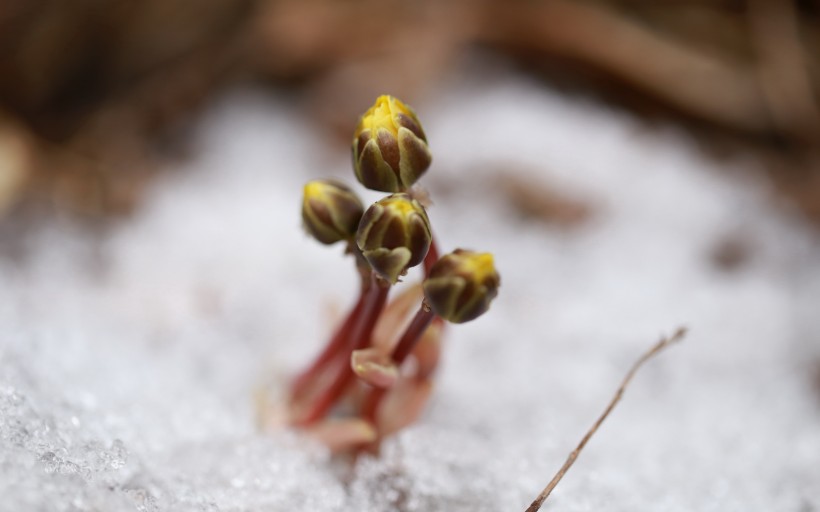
(373, 305)
(332, 351)
(403, 349)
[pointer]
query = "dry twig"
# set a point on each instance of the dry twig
(660, 345)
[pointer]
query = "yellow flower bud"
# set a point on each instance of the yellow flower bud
(461, 285)
(394, 235)
(390, 150)
(330, 211)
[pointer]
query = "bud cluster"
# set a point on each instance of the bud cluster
(391, 236)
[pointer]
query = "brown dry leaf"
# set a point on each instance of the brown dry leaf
(601, 38)
(543, 203)
(16, 162)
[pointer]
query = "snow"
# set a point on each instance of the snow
(130, 363)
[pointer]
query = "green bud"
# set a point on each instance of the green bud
(394, 235)
(461, 285)
(330, 211)
(390, 150)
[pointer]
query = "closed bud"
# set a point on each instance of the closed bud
(330, 211)
(390, 150)
(461, 285)
(394, 235)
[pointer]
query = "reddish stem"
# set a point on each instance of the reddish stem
(408, 341)
(404, 348)
(333, 350)
(412, 334)
(374, 301)
(431, 258)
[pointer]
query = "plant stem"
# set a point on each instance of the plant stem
(338, 349)
(412, 334)
(404, 348)
(408, 341)
(660, 345)
(431, 258)
(333, 350)
(374, 300)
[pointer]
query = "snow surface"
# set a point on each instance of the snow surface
(129, 363)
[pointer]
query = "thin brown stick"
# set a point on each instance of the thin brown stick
(660, 345)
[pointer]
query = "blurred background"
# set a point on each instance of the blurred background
(97, 95)
(634, 165)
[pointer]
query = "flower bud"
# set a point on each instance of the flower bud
(330, 211)
(461, 285)
(394, 235)
(390, 150)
